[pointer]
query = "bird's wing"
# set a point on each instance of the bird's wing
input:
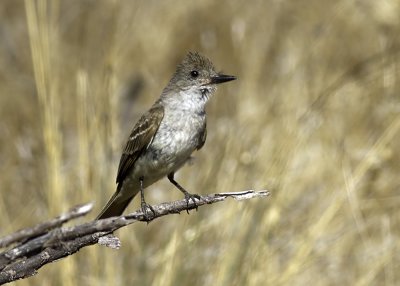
(139, 140)
(202, 137)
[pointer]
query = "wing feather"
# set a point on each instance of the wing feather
(141, 136)
(202, 137)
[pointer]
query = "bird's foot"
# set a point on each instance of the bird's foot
(191, 197)
(148, 211)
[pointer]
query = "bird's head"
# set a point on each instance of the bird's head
(196, 75)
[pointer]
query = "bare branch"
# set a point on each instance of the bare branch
(49, 241)
(42, 228)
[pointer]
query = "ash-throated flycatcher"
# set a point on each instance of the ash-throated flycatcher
(164, 138)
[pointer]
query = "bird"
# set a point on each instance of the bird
(164, 137)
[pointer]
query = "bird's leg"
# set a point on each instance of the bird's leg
(188, 196)
(146, 208)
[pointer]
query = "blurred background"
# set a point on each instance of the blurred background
(314, 118)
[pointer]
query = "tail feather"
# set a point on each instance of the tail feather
(116, 205)
(115, 208)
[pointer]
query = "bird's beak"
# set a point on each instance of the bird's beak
(220, 78)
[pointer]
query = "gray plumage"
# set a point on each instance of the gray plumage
(165, 137)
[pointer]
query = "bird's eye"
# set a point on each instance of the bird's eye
(194, 74)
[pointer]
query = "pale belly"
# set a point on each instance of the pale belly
(168, 152)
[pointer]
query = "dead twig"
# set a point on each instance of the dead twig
(34, 247)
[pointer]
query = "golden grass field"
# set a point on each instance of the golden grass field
(314, 118)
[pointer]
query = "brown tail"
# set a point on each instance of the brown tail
(116, 205)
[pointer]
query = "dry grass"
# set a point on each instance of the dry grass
(314, 118)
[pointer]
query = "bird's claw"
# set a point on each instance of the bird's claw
(148, 212)
(191, 197)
